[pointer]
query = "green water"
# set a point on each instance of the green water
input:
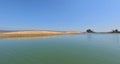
(67, 49)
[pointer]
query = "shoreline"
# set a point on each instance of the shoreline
(39, 33)
(35, 33)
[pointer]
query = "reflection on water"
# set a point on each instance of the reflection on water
(114, 37)
(38, 37)
(89, 37)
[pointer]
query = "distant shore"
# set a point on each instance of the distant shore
(35, 33)
(102, 33)
(39, 33)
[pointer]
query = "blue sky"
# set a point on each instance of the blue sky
(79, 15)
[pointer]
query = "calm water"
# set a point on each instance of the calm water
(68, 49)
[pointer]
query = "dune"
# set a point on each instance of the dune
(34, 33)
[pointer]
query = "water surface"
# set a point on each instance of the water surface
(67, 49)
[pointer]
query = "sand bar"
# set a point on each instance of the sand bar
(34, 33)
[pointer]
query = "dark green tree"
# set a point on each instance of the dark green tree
(115, 31)
(89, 31)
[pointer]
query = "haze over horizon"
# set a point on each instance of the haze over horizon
(77, 15)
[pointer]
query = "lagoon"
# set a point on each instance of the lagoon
(65, 49)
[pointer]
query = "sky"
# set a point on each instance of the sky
(60, 15)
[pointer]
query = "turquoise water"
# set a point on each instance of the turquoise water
(67, 49)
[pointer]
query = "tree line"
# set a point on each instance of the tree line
(113, 31)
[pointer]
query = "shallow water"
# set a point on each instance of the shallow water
(67, 49)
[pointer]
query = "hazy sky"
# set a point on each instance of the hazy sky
(99, 15)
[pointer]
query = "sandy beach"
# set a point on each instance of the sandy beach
(34, 33)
